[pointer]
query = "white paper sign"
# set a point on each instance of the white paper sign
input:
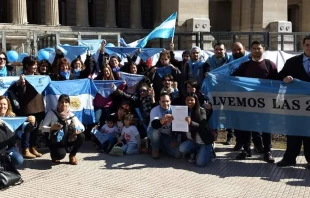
(179, 114)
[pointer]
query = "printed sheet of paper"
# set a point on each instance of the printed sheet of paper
(179, 114)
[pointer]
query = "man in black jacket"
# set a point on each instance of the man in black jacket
(297, 67)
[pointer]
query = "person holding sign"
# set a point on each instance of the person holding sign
(199, 140)
(159, 130)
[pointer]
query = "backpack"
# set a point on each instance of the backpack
(56, 137)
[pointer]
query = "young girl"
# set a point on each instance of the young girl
(107, 134)
(130, 135)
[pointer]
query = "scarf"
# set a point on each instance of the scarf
(194, 67)
(168, 90)
(3, 71)
(63, 114)
(116, 69)
(161, 71)
(66, 75)
(77, 72)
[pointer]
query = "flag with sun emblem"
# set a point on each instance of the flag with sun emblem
(81, 93)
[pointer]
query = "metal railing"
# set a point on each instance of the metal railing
(32, 41)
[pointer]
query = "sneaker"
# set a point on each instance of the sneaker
(155, 154)
(268, 158)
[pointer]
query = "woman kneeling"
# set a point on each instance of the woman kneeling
(65, 131)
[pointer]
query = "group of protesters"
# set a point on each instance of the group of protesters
(168, 82)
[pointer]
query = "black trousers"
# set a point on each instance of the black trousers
(58, 151)
(293, 147)
(230, 134)
(244, 138)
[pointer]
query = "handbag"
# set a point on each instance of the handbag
(9, 175)
(116, 150)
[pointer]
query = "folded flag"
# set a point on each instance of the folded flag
(81, 93)
(121, 52)
(6, 82)
(72, 52)
(164, 30)
(147, 53)
(92, 45)
(38, 82)
(13, 122)
(131, 80)
(133, 44)
(161, 71)
(104, 86)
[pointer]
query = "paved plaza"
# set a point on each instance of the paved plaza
(100, 175)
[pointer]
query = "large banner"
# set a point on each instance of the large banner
(259, 105)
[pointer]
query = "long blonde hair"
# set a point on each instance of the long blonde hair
(9, 112)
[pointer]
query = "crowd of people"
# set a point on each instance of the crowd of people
(169, 82)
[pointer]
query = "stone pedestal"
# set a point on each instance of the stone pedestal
(276, 40)
(19, 12)
(82, 13)
(51, 12)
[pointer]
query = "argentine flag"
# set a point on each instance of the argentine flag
(165, 30)
(81, 93)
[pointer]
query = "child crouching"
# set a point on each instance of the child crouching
(130, 136)
(107, 135)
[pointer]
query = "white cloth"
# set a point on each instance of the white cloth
(106, 129)
(50, 119)
(130, 133)
(156, 114)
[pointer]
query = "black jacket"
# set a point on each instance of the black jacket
(7, 138)
(294, 67)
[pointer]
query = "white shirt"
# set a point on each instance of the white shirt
(50, 119)
(130, 133)
(106, 129)
(156, 114)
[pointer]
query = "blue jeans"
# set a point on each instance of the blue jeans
(130, 148)
(163, 141)
(109, 138)
(16, 157)
(204, 151)
(98, 112)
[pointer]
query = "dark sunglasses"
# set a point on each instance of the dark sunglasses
(143, 90)
(2, 58)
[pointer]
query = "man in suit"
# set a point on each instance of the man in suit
(297, 67)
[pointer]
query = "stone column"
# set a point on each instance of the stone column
(82, 13)
(305, 20)
(236, 15)
(110, 18)
(135, 14)
(51, 12)
(19, 12)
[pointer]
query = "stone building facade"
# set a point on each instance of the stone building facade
(143, 15)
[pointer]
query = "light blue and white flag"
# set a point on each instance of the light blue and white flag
(161, 71)
(148, 53)
(133, 44)
(104, 86)
(13, 122)
(81, 93)
(165, 30)
(38, 82)
(92, 45)
(121, 52)
(72, 52)
(229, 68)
(260, 105)
(131, 80)
(6, 82)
